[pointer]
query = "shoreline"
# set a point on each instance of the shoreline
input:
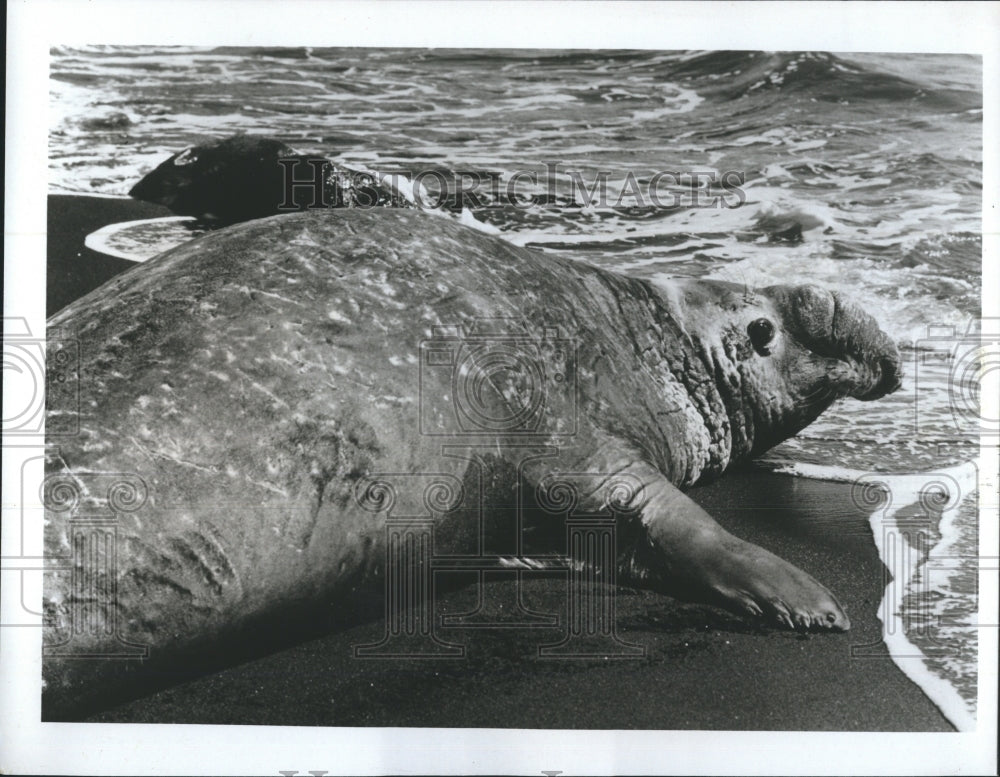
(703, 669)
(73, 269)
(892, 534)
(889, 532)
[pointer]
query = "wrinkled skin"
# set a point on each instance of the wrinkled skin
(256, 378)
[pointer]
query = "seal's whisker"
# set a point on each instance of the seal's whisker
(817, 394)
(820, 396)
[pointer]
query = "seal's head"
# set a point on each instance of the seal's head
(225, 181)
(780, 356)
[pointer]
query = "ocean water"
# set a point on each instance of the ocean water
(860, 172)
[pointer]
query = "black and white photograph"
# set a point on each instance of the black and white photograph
(493, 388)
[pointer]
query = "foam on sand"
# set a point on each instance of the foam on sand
(140, 240)
(894, 531)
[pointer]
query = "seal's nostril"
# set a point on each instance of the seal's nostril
(885, 378)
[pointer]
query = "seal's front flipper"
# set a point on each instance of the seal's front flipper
(690, 556)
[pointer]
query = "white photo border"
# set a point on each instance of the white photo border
(34, 26)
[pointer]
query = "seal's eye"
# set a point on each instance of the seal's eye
(761, 334)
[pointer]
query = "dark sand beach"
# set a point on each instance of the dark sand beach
(702, 669)
(73, 269)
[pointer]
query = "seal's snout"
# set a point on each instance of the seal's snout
(886, 378)
(831, 326)
(151, 188)
(892, 374)
(863, 343)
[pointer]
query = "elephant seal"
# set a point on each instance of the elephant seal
(245, 177)
(243, 391)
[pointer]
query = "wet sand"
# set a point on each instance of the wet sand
(73, 269)
(702, 668)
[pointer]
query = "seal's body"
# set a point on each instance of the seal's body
(260, 379)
